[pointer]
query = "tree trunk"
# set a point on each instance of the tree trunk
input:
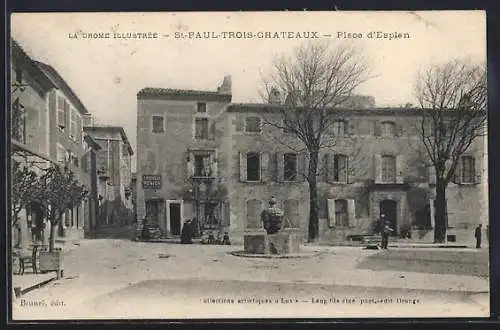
(52, 239)
(24, 231)
(313, 197)
(441, 214)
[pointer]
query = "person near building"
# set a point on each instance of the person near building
(225, 239)
(145, 230)
(187, 233)
(478, 236)
(386, 232)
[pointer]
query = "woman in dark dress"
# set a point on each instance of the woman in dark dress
(187, 233)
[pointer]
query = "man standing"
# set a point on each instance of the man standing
(385, 232)
(478, 235)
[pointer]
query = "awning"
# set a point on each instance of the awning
(17, 147)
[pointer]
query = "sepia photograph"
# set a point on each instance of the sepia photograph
(248, 165)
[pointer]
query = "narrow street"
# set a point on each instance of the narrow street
(124, 279)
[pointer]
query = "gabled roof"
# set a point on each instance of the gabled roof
(182, 94)
(93, 143)
(118, 129)
(18, 54)
(59, 81)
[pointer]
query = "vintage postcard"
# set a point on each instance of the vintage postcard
(249, 165)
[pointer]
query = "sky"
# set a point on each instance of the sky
(107, 73)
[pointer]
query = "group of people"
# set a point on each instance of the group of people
(188, 231)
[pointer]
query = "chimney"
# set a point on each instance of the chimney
(87, 120)
(274, 96)
(225, 88)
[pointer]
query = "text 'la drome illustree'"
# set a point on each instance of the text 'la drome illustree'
(241, 35)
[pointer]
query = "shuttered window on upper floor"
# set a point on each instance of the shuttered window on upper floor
(158, 124)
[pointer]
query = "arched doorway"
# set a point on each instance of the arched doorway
(389, 209)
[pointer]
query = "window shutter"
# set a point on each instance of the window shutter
(377, 168)
(351, 212)
(400, 169)
(457, 176)
(67, 117)
(331, 213)
(349, 171)
(190, 166)
(280, 166)
(243, 166)
(330, 170)
(478, 168)
(431, 171)
(214, 161)
(239, 123)
(212, 130)
(303, 167)
(264, 167)
(376, 128)
(78, 136)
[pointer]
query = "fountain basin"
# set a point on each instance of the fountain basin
(283, 242)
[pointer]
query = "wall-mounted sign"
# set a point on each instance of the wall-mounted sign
(150, 181)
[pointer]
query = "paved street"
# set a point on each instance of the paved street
(124, 279)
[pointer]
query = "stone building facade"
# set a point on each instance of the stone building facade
(198, 152)
(47, 122)
(114, 179)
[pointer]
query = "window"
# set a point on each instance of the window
(61, 154)
(341, 214)
(468, 169)
(61, 112)
(290, 164)
(253, 166)
(287, 125)
(388, 169)
(388, 128)
(202, 166)
(338, 128)
(201, 128)
(340, 168)
(252, 124)
(73, 123)
(74, 160)
(158, 124)
(201, 107)
(18, 122)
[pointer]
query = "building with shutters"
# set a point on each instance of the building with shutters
(47, 129)
(199, 155)
(114, 172)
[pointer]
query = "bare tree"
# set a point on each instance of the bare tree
(315, 81)
(453, 101)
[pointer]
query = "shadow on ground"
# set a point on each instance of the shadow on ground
(469, 263)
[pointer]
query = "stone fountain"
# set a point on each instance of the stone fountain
(275, 240)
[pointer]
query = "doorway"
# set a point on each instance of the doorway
(389, 209)
(175, 218)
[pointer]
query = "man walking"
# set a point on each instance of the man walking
(478, 235)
